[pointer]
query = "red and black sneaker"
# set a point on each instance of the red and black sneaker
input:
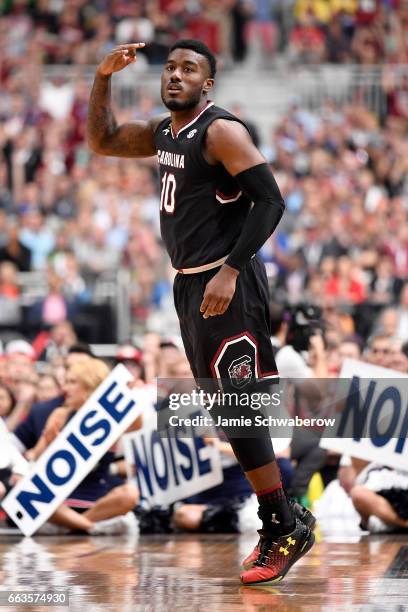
(252, 557)
(277, 554)
(300, 512)
(303, 514)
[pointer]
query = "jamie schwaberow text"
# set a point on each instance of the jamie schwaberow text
(241, 421)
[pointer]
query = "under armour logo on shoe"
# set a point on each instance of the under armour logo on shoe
(284, 549)
(274, 519)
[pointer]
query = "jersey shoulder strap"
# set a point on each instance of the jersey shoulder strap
(212, 114)
(216, 112)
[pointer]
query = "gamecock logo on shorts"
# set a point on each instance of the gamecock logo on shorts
(235, 362)
(240, 371)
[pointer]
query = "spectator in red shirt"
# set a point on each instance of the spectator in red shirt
(307, 41)
(345, 284)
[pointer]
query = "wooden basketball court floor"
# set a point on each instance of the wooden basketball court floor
(200, 573)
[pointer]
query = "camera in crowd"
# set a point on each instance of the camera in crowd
(304, 321)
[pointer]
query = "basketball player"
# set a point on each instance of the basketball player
(219, 204)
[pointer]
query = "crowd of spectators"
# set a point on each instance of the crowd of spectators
(78, 217)
(342, 244)
(311, 31)
(349, 31)
(39, 394)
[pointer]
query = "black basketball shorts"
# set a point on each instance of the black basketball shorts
(232, 350)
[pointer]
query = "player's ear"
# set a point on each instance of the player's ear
(208, 85)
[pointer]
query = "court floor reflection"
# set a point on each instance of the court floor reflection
(200, 572)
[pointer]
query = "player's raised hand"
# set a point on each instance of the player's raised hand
(119, 58)
(219, 292)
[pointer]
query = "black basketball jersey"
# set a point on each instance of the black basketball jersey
(202, 208)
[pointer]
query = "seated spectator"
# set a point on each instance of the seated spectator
(402, 311)
(338, 41)
(384, 287)
(14, 250)
(94, 254)
(307, 41)
(56, 307)
(396, 90)
(26, 433)
(216, 510)
(262, 27)
(48, 388)
(367, 46)
(66, 266)
(303, 354)
(20, 367)
(395, 241)
(77, 353)
(380, 495)
(10, 312)
(56, 341)
(20, 377)
(387, 322)
(8, 280)
(397, 360)
(132, 358)
(100, 495)
(172, 362)
(346, 284)
(12, 463)
(349, 348)
(7, 402)
(378, 350)
(36, 236)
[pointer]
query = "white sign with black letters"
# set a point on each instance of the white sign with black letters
(373, 422)
(167, 469)
(108, 412)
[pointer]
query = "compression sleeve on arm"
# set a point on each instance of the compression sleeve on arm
(268, 206)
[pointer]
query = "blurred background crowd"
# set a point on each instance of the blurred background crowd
(70, 220)
(81, 258)
(79, 32)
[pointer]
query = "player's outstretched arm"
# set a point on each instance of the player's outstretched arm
(229, 142)
(105, 136)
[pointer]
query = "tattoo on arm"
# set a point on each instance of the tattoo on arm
(133, 139)
(101, 121)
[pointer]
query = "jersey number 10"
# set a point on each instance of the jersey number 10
(168, 190)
